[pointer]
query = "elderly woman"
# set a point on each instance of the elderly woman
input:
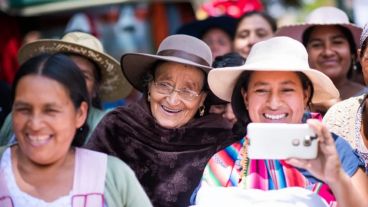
(349, 118)
(331, 41)
(168, 136)
(104, 79)
(275, 85)
(46, 167)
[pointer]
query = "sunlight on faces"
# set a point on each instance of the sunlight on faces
(45, 119)
(218, 41)
(171, 111)
(275, 97)
(251, 30)
(329, 52)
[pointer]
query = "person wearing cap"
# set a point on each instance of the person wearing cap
(104, 78)
(251, 28)
(216, 32)
(331, 41)
(275, 85)
(168, 136)
(349, 118)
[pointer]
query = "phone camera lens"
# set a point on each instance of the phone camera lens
(307, 141)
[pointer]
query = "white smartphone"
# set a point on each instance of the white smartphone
(281, 141)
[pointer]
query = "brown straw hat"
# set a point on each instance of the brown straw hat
(113, 86)
(178, 48)
(321, 17)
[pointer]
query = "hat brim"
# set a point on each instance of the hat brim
(222, 81)
(296, 31)
(198, 28)
(113, 85)
(136, 65)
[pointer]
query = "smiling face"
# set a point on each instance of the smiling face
(275, 97)
(219, 42)
(45, 119)
(251, 30)
(172, 111)
(329, 52)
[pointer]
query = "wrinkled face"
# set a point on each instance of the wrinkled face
(275, 97)
(87, 68)
(329, 52)
(251, 30)
(171, 110)
(364, 63)
(219, 42)
(45, 119)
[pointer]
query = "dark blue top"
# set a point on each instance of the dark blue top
(349, 159)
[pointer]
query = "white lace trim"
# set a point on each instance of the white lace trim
(21, 198)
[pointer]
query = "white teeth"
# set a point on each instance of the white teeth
(170, 110)
(275, 117)
(38, 140)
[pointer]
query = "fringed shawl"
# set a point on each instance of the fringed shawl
(168, 162)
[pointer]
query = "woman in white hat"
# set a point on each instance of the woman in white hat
(349, 118)
(168, 136)
(331, 41)
(275, 85)
(105, 81)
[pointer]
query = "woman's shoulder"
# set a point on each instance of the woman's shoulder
(346, 108)
(341, 117)
(114, 163)
(118, 170)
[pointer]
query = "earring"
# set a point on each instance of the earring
(149, 97)
(353, 62)
(201, 110)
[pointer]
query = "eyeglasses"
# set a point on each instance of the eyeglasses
(168, 89)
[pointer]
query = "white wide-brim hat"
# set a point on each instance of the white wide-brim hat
(275, 54)
(323, 16)
(113, 84)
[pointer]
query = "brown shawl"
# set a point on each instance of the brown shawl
(168, 162)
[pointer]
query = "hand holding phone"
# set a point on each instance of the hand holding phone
(281, 141)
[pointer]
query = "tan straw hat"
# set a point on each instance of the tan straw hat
(320, 17)
(275, 54)
(178, 48)
(113, 86)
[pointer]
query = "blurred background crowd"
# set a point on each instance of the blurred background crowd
(132, 26)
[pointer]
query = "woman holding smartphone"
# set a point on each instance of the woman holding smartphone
(276, 85)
